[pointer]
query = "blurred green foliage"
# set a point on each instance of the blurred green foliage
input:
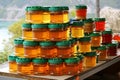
(16, 31)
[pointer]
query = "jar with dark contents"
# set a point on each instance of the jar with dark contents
(107, 36)
(112, 49)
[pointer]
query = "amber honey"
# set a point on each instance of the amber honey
(85, 44)
(57, 32)
(40, 32)
(56, 66)
(40, 66)
(24, 66)
(56, 14)
(35, 13)
(12, 63)
(27, 31)
(71, 66)
(31, 49)
(90, 59)
(64, 49)
(19, 50)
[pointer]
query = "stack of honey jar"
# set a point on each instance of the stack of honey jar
(53, 45)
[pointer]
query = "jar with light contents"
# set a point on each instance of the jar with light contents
(56, 14)
(40, 32)
(40, 66)
(55, 66)
(48, 49)
(90, 59)
(31, 49)
(24, 66)
(35, 14)
(96, 39)
(12, 63)
(18, 48)
(85, 44)
(77, 30)
(65, 14)
(27, 31)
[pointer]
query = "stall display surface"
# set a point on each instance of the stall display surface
(4, 71)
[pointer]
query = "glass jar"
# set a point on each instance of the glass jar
(96, 39)
(85, 44)
(65, 14)
(35, 13)
(40, 66)
(112, 49)
(24, 66)
(40, 32)
(64, 49)
(31, 49)
(103, 55)
(99, 24)
(107, 37)
(71, 66)
(48, 49)
(46, 15)
(55, 66)
(12, 63)
(90, 59)
(57, 32)
(77, 30)
(19, 50)
(27, 31)
(74, 45)
(88, 26)
(81, 12)
(56, 14)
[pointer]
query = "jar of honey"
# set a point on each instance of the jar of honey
(56, 14)
(46, 15)
(40, 66)
(27, 31)
(103, 53)
(85, 44)
(55, 66)
(112, 49)
(77, 30)
(64, 49)
(71, 66)
(90, 59)
(107, 36)
(88, 26)
(48, 49)
(24, 66)
(74, 45)
(57, 32)
(65, 14)
(40, 32)
(99, 24)
(96, 39)
(35, 13)
(31, 49)
(19, 50)
(12, 63)
(81, 12)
